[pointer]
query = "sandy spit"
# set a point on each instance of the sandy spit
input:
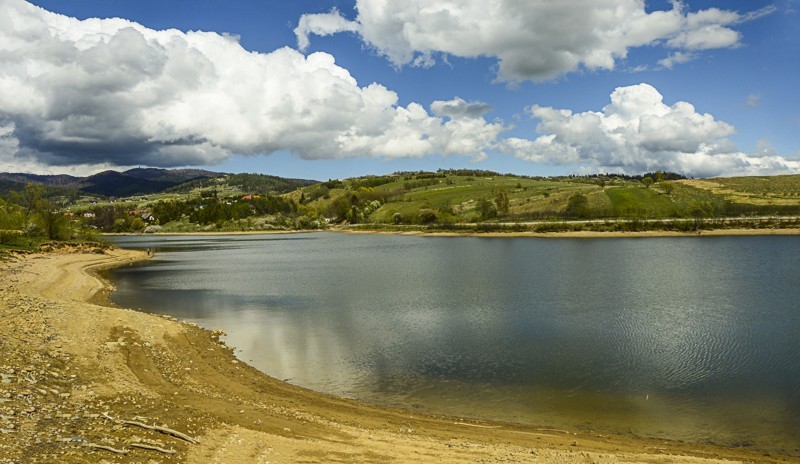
(76, 376)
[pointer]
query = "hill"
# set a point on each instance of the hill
(194, 200)
(115, 184)
(61, 180)
(479, 196)
(247, 183)
(146, 181)
(172, 176)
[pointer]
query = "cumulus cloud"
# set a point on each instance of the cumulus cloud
(458, 108)
(113, 92)
(322, 25)
(676, 58)
(637, 132)
(532, 40)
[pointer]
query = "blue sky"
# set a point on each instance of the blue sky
(735, 62)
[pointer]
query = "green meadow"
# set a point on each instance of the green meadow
(420, 198)
(451, 200)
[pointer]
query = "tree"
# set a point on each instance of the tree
(397, 218)
(11, 216)
(487, 209)
(578, 206)
(120, 225)
(502, 203)
(53, 223)
(667, 187)
(30, 198)
(137, 224)
(354, 215)
(339, 209)
(427, 216)
(647, 181)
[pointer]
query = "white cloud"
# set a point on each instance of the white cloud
(533, 40)
(322, 25)
(676, 58)
(638, 132)
(113, 92)
(753, 100)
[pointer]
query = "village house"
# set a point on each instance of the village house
(144, 215)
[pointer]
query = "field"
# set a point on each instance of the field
(772, 190)
(456, 198)
(445, 199)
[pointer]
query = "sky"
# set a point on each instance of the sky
(321, 89)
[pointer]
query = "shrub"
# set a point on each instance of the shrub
(9, 236)
(427, 216)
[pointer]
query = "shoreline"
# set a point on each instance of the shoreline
(210, 233)
(125, 364)
(587, 234)
(511, 234)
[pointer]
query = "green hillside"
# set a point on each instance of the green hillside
(459, 197)
(450, 200)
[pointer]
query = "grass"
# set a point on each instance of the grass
(777, 186)
(641, 202)
(456, 198)
(461, 195)
(756, 190)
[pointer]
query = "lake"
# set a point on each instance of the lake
(689, 338)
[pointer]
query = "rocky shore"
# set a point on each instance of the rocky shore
(82, 382)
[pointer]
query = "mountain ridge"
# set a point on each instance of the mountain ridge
(136, 181)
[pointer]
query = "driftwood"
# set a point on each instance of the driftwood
(106, 448)
(476, 425)
(151, 448)
(157, 428)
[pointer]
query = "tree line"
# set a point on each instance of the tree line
(28, 216)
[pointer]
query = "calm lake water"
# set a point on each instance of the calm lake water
(690, 338)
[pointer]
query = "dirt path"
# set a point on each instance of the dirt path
(72, 372)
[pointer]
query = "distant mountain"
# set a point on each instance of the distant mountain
(145, 181)
(115, 184)
(60, 180)
(137, 181)
(173, 176)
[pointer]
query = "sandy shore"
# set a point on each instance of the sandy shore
(73, 372)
